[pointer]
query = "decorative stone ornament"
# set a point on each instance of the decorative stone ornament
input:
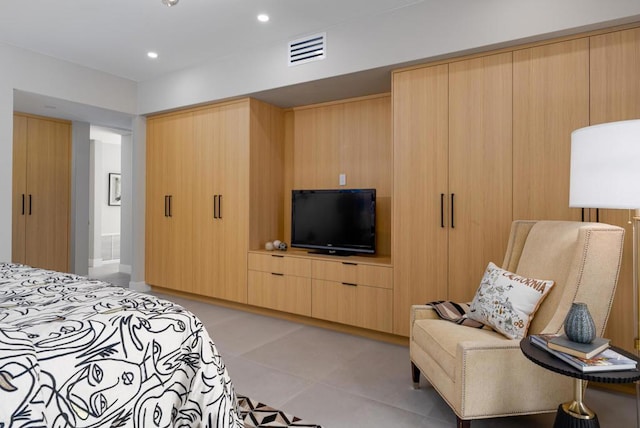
(578, 325)
(268, 246)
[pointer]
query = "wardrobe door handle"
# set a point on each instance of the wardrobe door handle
(597, 215)
(30, 204)
(582, 216)
(219, 206)
(23, 204)
(277, 274)
(350, 284)
(442, 210)
(215, 206)
(170, 210)
(166, 206)
(452, 212)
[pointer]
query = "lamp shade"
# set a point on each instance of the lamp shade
(605, 166)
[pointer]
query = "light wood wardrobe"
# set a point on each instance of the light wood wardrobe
(452, 178)
(439, 144)
(214, 188)
(560, 87)
(41, 191)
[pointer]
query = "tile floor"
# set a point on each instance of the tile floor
(338, 380)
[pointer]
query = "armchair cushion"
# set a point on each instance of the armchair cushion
(507, 302)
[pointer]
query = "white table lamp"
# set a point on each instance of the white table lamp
(605, 173)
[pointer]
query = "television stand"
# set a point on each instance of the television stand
(357, 291)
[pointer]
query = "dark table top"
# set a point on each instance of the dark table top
(548, 361)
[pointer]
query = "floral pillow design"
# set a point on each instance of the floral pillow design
(506, 301)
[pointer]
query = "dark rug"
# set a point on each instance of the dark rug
(258, 415)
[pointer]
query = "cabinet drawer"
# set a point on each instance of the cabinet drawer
(280, 292)
(362, 306)
(353, 273)
(280, 263)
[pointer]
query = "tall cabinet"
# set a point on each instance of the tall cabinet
(551, 99)
(41, 191)
(452, 178)
(615, 95)
(209, 170)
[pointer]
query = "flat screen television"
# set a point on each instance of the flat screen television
(340, 222)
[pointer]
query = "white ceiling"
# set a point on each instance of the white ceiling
(115, 35)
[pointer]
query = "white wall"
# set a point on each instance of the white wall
(109, 163)
(44, 75)
(126, 210)
(105, 219)
(80, 191)
(426, 30)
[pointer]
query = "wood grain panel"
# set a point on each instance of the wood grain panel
(234, 188)
(551, 99)
(49, 193)
(361, 306)
(267, 168)
(20, 192)
(162, 260)
(615, 95)
(480, 171)
(420, 156)
(351, 137)
(276, 263)
(281, 292)
(288, 176)
(208, 167)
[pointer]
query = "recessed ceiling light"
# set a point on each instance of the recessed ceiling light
(263, 17)
(152, 55)
(170, 2)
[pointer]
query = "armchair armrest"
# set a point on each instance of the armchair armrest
(422, 312)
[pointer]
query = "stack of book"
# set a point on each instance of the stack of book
(587, 357)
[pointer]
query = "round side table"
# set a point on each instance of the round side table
(576, 414)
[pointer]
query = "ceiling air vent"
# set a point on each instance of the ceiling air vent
(311, 48)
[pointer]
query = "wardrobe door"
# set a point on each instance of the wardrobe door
(166, 206)
(233, 179)
(208, 201)
(551, 99)
(20, 194)
(48, 198)
(615, 95)
(480, 168)
(420, 190)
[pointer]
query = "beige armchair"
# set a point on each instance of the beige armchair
(481, 373)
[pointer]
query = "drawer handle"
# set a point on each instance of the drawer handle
(350, 284)
(277, 274)
(350, 263)
(276, 255)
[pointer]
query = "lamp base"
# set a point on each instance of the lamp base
(569, 416)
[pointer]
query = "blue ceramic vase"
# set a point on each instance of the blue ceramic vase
(578, 325)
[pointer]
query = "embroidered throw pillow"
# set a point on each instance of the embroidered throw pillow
(506, 302)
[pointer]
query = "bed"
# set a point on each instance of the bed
(76, 352)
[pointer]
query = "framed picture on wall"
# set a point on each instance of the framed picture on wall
(115, 189)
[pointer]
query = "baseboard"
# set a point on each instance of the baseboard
(139, 286)
(125, 269)
(95, 262)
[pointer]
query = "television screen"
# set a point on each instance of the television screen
(334, 221)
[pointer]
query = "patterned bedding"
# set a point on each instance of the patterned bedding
(81, 353)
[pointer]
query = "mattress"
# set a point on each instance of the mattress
(76, 352)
